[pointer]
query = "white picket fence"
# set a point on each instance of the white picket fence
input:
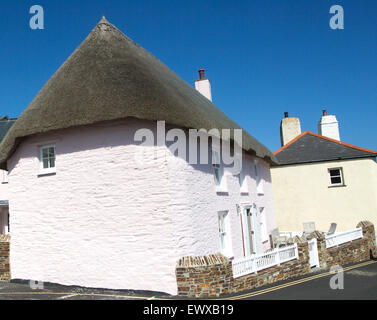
(343, 237)
(255, 263)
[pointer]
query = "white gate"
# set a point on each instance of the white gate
(313, 253)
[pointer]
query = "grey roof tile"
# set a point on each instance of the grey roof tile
(311, 147)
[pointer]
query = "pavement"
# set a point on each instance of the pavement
(23, 291)
(359, 283)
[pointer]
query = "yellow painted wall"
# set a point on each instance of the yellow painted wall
(302, 193)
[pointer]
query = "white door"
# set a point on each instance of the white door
(248, 230)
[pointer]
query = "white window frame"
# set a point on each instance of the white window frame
(258, 179)
(263, 224)
(225, 237)
(242, 179)
(221, 183)
(5, 177)
(49, 170)
(341, 177)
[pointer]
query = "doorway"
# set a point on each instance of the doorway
(248, 230)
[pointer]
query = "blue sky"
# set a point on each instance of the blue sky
(263, 57)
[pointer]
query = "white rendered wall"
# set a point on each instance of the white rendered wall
(302, 193)
(106, 220)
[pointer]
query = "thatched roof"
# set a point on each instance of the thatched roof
(110, 77)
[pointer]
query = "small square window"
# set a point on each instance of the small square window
(336, 177)
(47, 159)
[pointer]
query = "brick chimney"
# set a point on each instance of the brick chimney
(203, 85)
(290, 128)
(328, 126)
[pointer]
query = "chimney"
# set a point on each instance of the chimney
(328, 126)
(203, 85)
(290, 128)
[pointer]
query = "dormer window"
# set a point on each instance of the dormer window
(47, 159)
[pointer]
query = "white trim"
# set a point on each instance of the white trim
(225, 233)
(5, 177)
(221, 185)
(341, 176)
(255, 263)
(263, 224)
(42, 170)
(339, 238)
(259, 182)
(245, 230)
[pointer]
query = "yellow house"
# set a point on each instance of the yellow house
(322, 179)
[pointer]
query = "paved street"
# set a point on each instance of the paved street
(18, 291)
(360, 282)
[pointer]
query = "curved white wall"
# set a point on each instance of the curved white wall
(104, 220)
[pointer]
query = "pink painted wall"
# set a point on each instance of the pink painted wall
(108, 220)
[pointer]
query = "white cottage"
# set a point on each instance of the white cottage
(87, 210)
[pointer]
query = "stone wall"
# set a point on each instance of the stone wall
(4, 258)
(349, 252)
(209, 276)
(369, 233)
(212, 276)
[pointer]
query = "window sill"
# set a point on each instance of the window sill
(222, 190)
(4, 182)
(337, 186)
(47, 173)
(244, 192)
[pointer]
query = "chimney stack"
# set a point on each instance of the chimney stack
(290, 128)
(203, 85)
(328, 126)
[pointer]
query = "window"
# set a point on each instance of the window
(224, 234)
(263, 225)
(5, 177)
(241, 177)
(47, 159)
(217, 167)
(258, 179)
(336, 177)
